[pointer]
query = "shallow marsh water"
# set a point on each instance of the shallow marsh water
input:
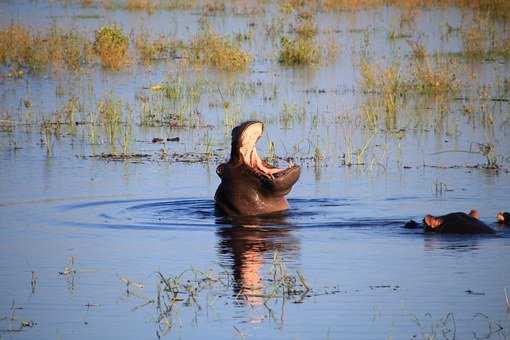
(370, 277)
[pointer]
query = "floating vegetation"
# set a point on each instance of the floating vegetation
(111, 45)
(136, 157)
(195, 290)
(16, 324)
(210, 48)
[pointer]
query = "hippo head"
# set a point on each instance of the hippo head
(249, 185)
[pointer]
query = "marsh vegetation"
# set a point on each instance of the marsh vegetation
(371, 97)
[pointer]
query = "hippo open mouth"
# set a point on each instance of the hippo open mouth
(248, 152)
(249, 185)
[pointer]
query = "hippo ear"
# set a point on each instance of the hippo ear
(220, 170)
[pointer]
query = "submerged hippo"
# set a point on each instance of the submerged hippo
(250, 186)
(457, 223)
(503, 218)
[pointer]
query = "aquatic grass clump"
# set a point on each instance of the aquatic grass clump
(436, 79)
(111, 45)
(481, 42)
(390, 86)
(68, 48)
(21, 49)
(15, 45)
(298, 52)
(209, 48)
(418, 49)
(473, 41)
(150, 51)
(306, 28)
(137, 5)
(110, 111)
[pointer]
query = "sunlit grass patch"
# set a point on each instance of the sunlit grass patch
(209, 48)
(21, 49)
(350, 5)
(136, 5)
(299, 51)
(111, 45)
(177, 4)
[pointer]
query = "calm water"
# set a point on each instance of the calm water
(370, 277)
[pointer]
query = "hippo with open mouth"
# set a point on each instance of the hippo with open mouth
(250, 186)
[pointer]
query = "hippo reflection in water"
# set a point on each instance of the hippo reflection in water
(250, 186)
(455, 223)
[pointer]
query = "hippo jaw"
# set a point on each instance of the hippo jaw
(249, 185)
(278, 182)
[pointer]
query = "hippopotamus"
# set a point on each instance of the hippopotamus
(457, 223)
(503, 218)
(249, 185)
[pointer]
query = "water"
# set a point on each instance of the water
(370, 278)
